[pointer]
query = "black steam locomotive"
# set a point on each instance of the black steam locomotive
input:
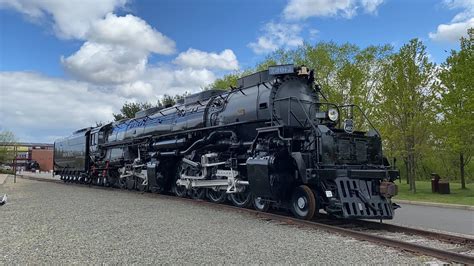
(269, 141)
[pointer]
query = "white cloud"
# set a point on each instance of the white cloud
(370, 6)
(467, 7)
(111, 66)
(137, 89)
(106, 64)
(171, 81)
(453, 31)
(277, 35)
(117, 50)
(288, 35)
(41, 108)
(35, 106)
(302, 9)
(71, 18)
(132, 32)
(226, 60)
(313, 34)
(165, 79)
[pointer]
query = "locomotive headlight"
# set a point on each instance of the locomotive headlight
(333, 114)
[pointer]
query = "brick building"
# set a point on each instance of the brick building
(26, 153)
(44, 157)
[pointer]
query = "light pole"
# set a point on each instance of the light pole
(14, 163)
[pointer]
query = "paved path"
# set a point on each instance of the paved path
(445, 219)
(3, 178)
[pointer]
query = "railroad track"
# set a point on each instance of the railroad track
(358, 229)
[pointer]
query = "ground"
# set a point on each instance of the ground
(423, 193)
(45, 223)
(431, 217)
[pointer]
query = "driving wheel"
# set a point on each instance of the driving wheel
(303, 203)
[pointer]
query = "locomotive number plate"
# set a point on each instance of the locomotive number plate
(278, 70)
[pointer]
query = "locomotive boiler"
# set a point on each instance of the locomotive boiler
(268, 142)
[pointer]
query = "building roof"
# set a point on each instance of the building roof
(28, 144)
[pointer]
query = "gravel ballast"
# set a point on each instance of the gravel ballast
(60, 223)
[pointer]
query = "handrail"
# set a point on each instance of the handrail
(363, 114)
(300, 102)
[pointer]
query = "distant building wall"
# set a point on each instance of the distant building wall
(44, 158)
(24, 154)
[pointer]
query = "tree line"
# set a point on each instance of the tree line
(129, 109)
(7, 153)
(424, 111)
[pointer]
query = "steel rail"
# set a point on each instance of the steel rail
(447, 238)
(445, 255)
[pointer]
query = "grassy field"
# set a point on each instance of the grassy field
(423, 193)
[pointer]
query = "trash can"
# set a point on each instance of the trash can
(443, 187)
(435, 182)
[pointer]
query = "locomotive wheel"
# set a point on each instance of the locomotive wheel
(303, 203)
(121, 183)
(216, 196)
(261, 204)
(111, 181)
(197, 193)
(140, 187)
(180, 191)
(157, 189)
(130, 183)
(242, 199)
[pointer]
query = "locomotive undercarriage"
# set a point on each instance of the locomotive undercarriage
(206, 171)
(214, 169)
(220, 179)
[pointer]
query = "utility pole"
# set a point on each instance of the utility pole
(14, 163)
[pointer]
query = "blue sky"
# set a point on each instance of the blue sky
(69, 64)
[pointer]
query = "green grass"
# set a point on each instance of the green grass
(423, 193)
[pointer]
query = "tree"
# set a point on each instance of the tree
(406, 103)
(224, 83)
(347, 74)
(358, 79)
(457, 102)
(7, 142)
(168, 100)
(228, 81)
(128, 110)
